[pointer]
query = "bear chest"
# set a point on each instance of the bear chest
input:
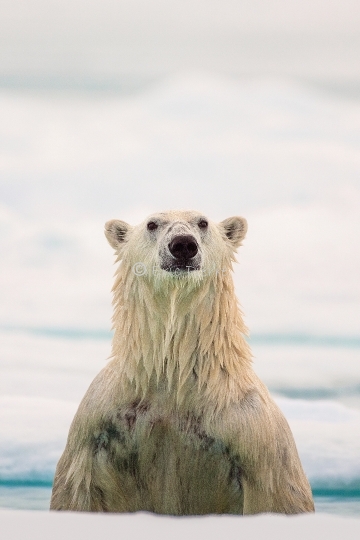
(166, 463)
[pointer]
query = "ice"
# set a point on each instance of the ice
(85, 526)
(328, 440)
(311, 372)
(33, 432)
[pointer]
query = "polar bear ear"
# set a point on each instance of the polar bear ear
(235, 229)
(116, 232)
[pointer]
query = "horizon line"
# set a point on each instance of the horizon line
(258, 338)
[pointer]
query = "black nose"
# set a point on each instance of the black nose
(183, 247)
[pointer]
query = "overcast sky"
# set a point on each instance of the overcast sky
(112, 38)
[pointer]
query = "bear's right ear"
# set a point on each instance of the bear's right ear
(116, 232)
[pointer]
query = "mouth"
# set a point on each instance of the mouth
(181, 267)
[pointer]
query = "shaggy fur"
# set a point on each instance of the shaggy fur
(178, 422)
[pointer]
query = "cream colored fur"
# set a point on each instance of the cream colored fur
(178, 422)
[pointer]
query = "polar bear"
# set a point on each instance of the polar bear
(177, 422)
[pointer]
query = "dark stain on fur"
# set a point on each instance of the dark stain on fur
(114, 433)
(235, 474)
(130, 466)
(191, 425)
(109, 433)
(135, 409)
(206, 442)
(101, 442)
(130, 418)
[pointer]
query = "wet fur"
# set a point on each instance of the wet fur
(177, 422)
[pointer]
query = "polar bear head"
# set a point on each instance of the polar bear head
(176, 244)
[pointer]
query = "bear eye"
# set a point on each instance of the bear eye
(203, 224)
(152, 226)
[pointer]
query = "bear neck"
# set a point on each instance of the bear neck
(180, 335)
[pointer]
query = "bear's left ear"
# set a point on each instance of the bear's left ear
(235, 229)
(116, 232)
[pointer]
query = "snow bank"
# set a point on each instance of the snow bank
(76, 526)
